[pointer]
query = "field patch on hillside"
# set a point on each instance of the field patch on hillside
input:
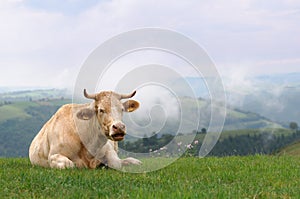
(293, 149)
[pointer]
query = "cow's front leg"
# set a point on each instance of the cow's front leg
(113, 161)
(130, 160)
(60, 162)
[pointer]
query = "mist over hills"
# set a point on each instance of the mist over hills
(276, 97)
(273, 96)
(194, 115)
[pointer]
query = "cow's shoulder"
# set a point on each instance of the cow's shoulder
(64, 118)
(69, 109)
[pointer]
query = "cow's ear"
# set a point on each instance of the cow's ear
(85, 114)
(131, 105)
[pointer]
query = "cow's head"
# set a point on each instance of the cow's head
(109, 109)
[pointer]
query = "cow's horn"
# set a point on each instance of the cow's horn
(89, 96)
(126, 96)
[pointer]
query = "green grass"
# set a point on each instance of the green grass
(230, 177)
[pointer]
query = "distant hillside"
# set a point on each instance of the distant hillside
(157, 121)
(238, 143)
(20, 109)
(34, 95)
(293, 149)
(273, 96)
(279, 105)
(21, 120)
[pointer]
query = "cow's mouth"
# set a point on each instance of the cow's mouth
(118, 136)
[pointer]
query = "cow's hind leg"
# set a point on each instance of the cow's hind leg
(59, 161)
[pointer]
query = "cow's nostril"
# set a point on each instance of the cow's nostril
(118, 127)
(114, 127)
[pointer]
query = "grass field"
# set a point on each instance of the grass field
(229, 177)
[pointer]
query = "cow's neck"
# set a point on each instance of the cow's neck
(98, 137)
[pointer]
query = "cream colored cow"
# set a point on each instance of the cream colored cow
(84, 135)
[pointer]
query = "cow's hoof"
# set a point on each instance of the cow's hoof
(131, 160)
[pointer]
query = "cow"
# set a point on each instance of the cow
(84, 135)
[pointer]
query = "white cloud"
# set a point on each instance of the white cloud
(39, 44)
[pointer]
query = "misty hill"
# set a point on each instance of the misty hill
(283, 106)
(190, 121)
(273, 96)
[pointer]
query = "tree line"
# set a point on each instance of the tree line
(241, 145)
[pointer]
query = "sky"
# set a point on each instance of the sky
(45, 43)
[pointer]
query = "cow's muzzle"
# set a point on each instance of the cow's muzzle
(118, 131)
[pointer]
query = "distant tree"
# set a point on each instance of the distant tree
(145, 140)
(7, 102)
(202, 131)
(294, 126)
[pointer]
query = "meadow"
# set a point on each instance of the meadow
(211, 177)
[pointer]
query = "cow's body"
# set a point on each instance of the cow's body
(78, 136)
